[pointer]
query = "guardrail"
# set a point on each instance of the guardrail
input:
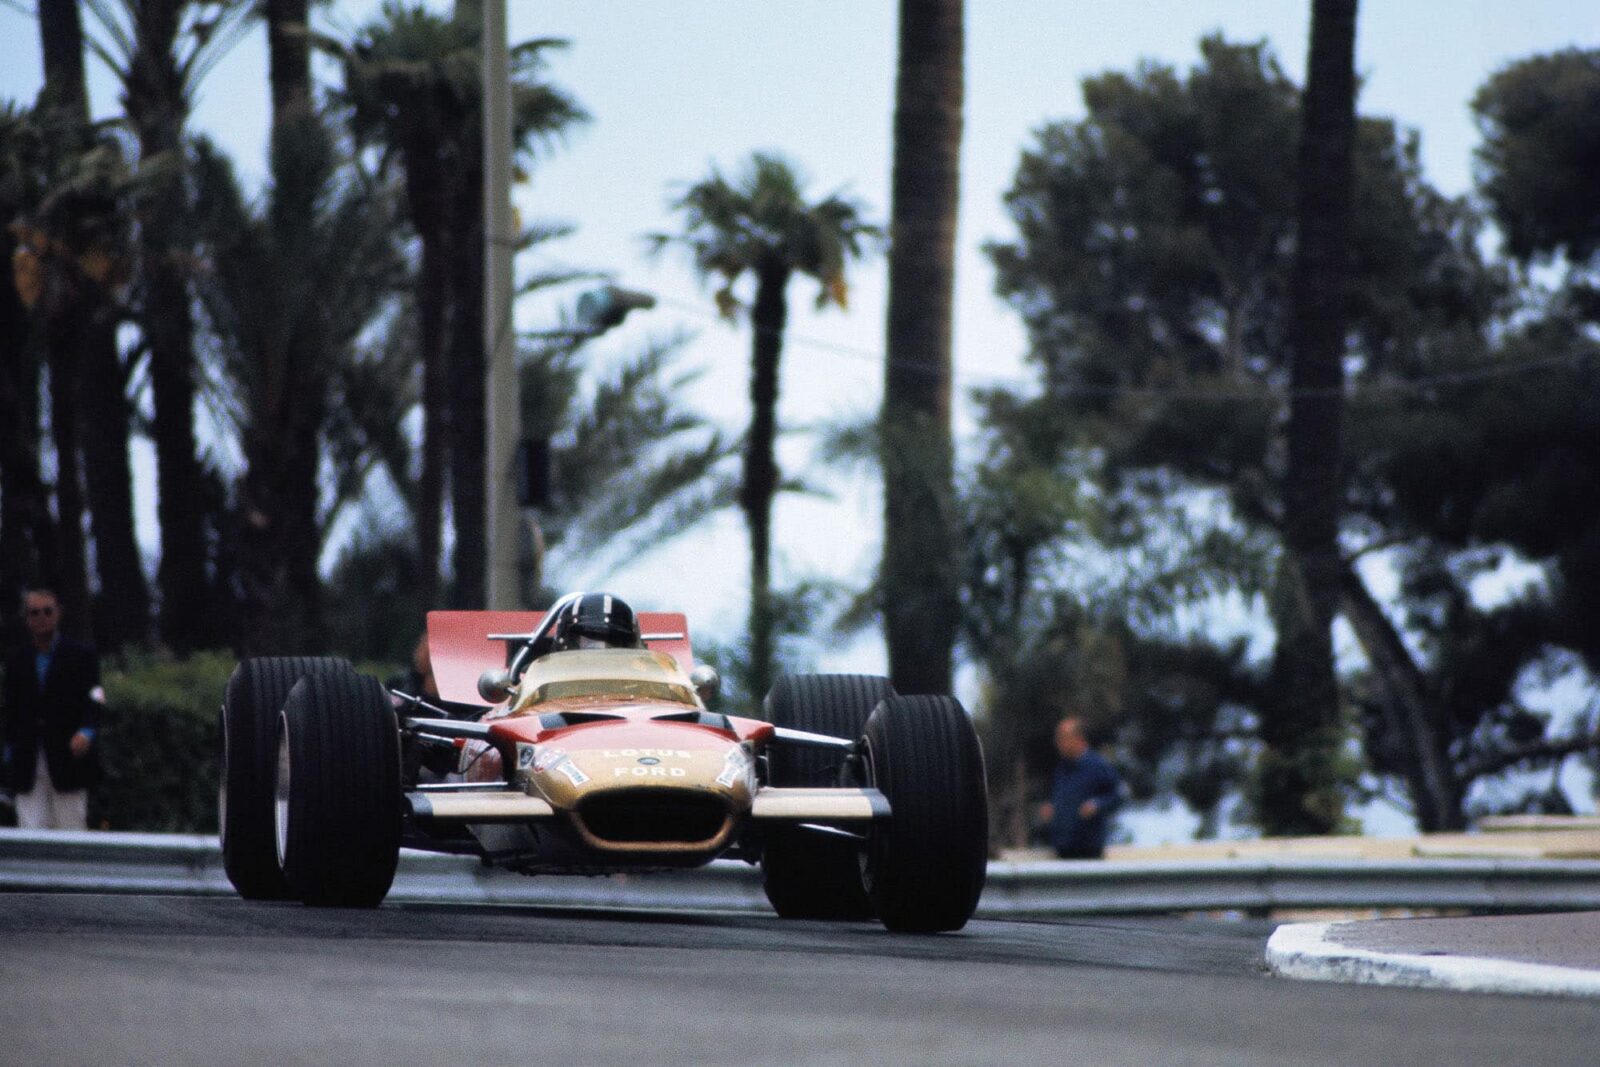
(67, 861)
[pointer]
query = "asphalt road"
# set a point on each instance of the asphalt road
(109, 980)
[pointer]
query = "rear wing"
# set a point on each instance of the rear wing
(460, 647)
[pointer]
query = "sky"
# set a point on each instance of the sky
(677, 88)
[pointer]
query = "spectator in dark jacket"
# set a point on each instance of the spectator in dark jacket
(52, 704)
(1084, 793)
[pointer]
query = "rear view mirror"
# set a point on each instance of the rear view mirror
(706, 681)
(494, 685)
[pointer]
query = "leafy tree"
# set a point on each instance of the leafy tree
(761, 224)
(289, 321)
(1152, 268)
(27, 531)
(629, 467)
(1540, 119)
(159, 51)
(626, 464)
(920, 572)
(413, 88)
(72, 305)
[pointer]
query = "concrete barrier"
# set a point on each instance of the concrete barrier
(66, 861)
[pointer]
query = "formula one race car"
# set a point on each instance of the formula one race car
(577, 741)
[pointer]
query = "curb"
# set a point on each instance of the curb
(1305, 951)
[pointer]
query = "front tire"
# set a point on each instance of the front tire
(251, 704)
(925, 867)
(807, 875)
(337, 796)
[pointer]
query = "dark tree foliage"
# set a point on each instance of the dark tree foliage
(629, 466)
(1540, 119)
(288, 322)
(159, 50)
(27, 530)
(1152, 267)
(413, 90)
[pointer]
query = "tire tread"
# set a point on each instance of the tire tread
(806, 875)
(255, 694)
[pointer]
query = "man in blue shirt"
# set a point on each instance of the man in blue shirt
(1084, 793)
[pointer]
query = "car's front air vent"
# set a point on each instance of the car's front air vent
(653, 817)
(555, 720)
(699, 718)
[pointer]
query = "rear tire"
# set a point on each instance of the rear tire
(337, 802)
(251, 703)
(925, 867)
(807, 875)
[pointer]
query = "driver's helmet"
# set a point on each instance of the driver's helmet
(599, 620)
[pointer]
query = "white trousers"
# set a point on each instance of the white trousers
(45, 808)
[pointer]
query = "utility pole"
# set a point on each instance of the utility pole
(500, 395)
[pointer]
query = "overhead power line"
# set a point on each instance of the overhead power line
(1264, 392)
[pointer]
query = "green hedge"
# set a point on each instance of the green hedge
(160, 743)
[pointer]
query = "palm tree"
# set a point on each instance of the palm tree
(921, 573)
(761, 224)
(1299, 788)
(413, 88)
(631, 465)
(288, 319)
(67, 309)
(24, 500)
(159, 51)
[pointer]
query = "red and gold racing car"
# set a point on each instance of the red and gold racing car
(579, 741)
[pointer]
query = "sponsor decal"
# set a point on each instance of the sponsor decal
(649, 761)
(635, 753)
(735, 765)
(525, 755)
(573, 773)
(649, 772)
(546, 759)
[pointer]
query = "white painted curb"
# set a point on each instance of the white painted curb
(1304, 950)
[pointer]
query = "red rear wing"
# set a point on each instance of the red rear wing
(459, 645)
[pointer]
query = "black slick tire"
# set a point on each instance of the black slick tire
(254, 697)
(337, 804)
(925, 866)
(806, 874)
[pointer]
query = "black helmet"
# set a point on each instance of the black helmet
(599, 619)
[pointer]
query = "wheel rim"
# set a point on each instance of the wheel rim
(870, 781)
(280, 792)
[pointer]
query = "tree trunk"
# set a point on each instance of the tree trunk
(920, 569)
(1437, 794)
(158, 110)
(65, 312)
(1299, 788)
(289, 58)
(65, 338)
(61, 41)
(168, 328)
(760, 486)
(122, 612)
(27, 536)
(280, 533)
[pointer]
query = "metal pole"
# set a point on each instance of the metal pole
(500, 237)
